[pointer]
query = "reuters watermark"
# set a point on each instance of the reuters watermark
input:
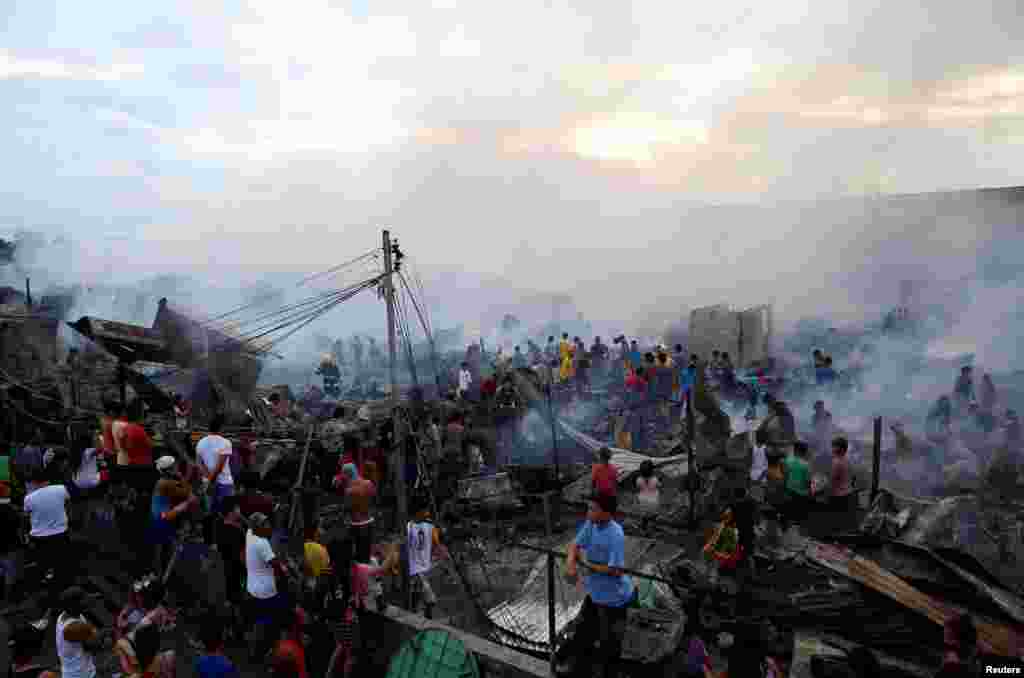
(1002, 670)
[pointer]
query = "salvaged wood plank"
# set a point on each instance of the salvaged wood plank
(999, 638)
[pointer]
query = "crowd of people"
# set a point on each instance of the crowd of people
(118, 477)
(119, 482)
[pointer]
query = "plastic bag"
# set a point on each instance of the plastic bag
(645, 594)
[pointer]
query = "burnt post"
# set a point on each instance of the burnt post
(876, 458)
(554, 432)
(122, 383)
(691, 472)
(551, 611)
(548, 496)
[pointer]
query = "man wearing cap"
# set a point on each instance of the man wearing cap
(609, 591)
(171, 498)
(262, 566)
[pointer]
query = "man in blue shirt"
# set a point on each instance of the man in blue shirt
(634, 357)
(600, 552)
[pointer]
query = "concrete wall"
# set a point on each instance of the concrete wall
(756, 334)
(745, 336)
(714, 328)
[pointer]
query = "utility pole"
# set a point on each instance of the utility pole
(398, 462)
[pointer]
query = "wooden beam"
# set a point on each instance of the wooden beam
(483, 648)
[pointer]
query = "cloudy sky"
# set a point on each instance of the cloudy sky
(556, 145)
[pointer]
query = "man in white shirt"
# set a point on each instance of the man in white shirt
(47, 507)
(262, 566)
(758, 466)
(421, 540)
(214, 455)
(465, 379)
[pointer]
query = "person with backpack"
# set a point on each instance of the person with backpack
(133, 648)
(77, 639)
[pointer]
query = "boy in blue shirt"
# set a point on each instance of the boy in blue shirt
(600, 552)
(213, 663)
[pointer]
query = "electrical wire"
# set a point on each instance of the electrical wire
(406, 335)
(372, 253)
(426, 328)
(368, 284)
(259, 300)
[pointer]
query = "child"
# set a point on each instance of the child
(346, 629)
(724, 543)
(317, 566)
(647, 485)
(422, 537)
(213, 663)
(131, 614)
(288, 660)
(604, 474)
(798, 484)
(698, 660)
(647, 494)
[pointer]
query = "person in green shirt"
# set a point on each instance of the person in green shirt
(798, 484)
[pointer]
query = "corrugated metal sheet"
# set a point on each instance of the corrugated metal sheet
(627, 462)
(523, 621)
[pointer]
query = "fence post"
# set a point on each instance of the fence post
(876, 459)
(551, 582)
(551, 610)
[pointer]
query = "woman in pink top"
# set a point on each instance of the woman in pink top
(346, 630)
(841, 489)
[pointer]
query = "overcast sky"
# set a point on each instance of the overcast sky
(557, 145)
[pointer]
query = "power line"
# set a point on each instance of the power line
(348, 294)
(271, 295)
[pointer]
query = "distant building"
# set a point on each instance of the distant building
(745, 335)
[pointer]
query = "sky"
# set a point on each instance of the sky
(544, 146)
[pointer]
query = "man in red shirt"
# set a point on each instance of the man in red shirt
(132, 443)
(250, 499)
(604, 476)
(289, 657)
(488, 388)
(636, 408)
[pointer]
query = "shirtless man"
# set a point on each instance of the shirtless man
(359, 497)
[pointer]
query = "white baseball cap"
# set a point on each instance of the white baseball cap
(166, 462)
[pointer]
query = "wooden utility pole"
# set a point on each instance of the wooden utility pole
(876, 458)
(398, 462)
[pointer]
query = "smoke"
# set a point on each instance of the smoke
(840, 262)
